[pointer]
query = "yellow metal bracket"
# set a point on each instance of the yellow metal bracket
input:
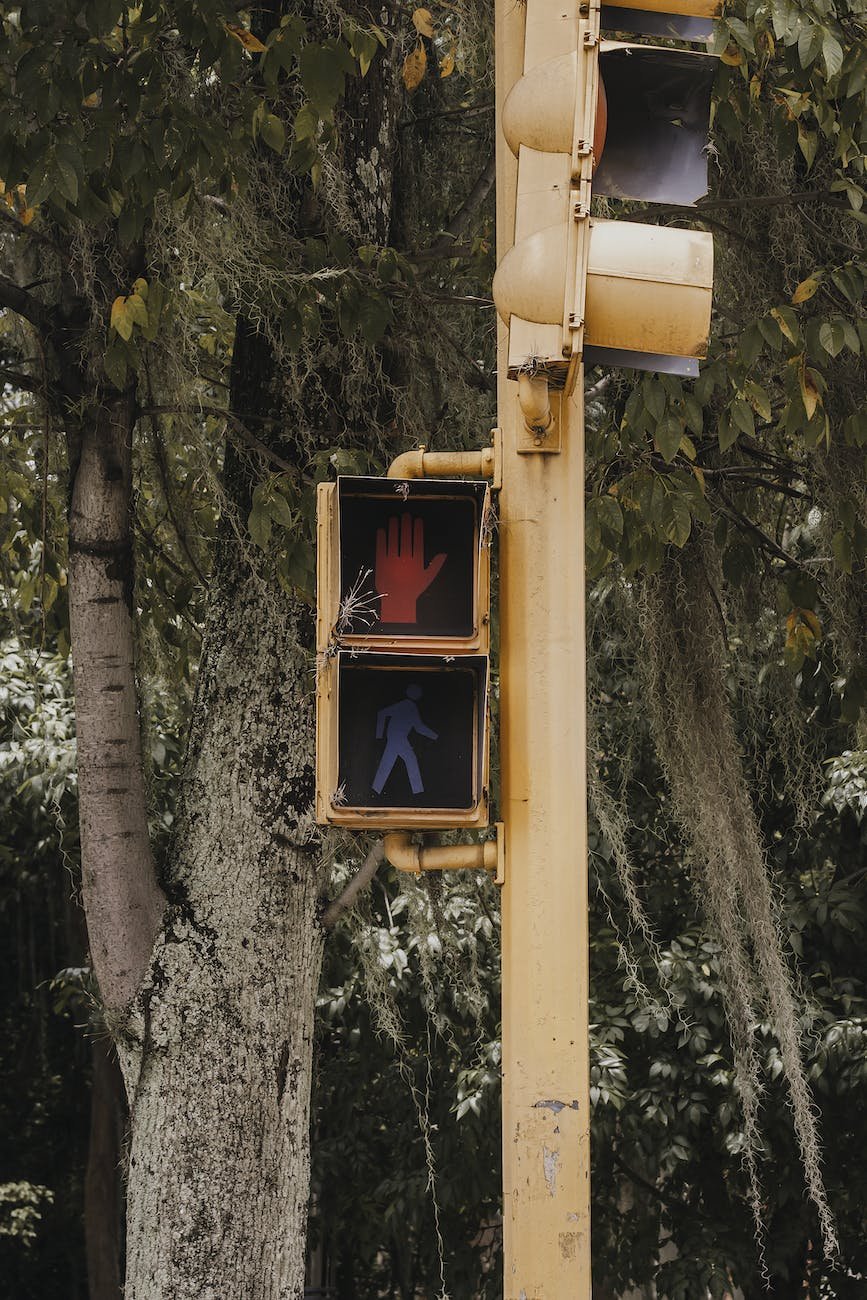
(421, 463)
(416, 858)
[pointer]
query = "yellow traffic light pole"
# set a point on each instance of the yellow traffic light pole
(546, 1155)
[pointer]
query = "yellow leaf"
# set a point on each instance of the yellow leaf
(810, 395)
(121, 320)
(805, 290)
(92, 101)
(422, 21)
(447, 65)
(138, 312)
(27, 215)
(699, 474)
(781, 321)
(140, 287)
(812, 621)
(414, 67)
(251, 43)
(802, 630)
(732, 54)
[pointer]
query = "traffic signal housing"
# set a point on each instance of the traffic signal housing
(403, 633)
(623, 120)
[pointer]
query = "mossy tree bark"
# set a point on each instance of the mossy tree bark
(217, 1050)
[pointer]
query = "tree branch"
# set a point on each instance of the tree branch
(163, 468)
(16, 299)
(18, 379)
(597, 389)
(767, 542)
(219, 412)
(359, 881)
(771, 200)
(475, 111)
(37, 236)
(467, 210)
(641, 1181)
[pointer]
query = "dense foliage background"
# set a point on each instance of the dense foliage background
(168, 169)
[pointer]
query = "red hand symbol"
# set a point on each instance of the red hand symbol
(400, 575)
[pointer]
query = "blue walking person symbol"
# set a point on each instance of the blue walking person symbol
(397, 722)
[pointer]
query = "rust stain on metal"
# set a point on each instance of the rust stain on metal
(569, 1244)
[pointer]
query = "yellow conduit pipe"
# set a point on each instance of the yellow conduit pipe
(444, 464)
(415, 858)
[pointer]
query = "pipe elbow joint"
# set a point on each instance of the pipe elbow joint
(402, 853)
(408, 465)
(535, 402)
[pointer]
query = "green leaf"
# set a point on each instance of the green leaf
(273, 132)
(280, 510)
(592, 528)
(770, 332)
(694, 414)
(667, 438)
(322, 76)
(832, 338)
(750, 345)
(841, 547)
(259, 524)
(850, 335)
(374, 317)
(743, 417)
(832, 53)
(727, 434)
(306, 123)
(67, 178)
(676, 519)
(605, 516)
(808, 142)
(115, 364)
(809, 42)
(654, 398)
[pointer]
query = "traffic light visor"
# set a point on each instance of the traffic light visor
(685, 20)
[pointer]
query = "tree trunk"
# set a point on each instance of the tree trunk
(218, 1057)
(103, 1202)
(122, 900)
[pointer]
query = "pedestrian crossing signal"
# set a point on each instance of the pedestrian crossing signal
(404, 564)
(403, 578)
